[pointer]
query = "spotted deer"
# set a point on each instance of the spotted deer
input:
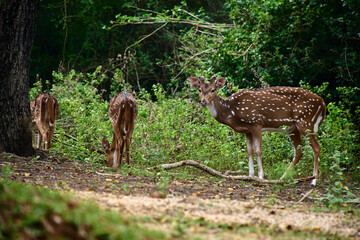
(266, 109)
(44, 112)
(122, 112)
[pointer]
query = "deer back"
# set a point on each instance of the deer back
(123, 112)
(276, 106)
(44, 108)
(52, 108)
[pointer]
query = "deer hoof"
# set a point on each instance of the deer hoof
(313, 182)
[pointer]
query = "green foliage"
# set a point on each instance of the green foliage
(293, 41)
(252, 43)
(170, 129)
(80, 35)
(6, 173)
(338, 195)
(341, 149)
(83, 119)
(38, 213)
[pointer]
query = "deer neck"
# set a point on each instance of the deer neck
(220, 108)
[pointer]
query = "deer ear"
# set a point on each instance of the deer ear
(105, 144)
(194, 82)
(220, 83)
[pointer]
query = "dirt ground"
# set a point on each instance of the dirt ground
(218, 201)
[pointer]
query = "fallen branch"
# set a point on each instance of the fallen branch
(109, 174)
(305, 196)
(69, 136)
(213, 172)
(216, 173)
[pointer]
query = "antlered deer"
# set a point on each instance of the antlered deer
(267, 109)
(44, 112)
(122, 111)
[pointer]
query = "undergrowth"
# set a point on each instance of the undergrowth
(170, 129)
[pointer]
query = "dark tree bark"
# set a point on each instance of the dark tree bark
(17, 29)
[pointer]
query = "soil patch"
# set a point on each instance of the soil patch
(218, 201)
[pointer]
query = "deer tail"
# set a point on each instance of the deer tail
(51, 108)
(43, 109)
(129, 113)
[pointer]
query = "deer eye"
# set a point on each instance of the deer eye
(199, 90)
(213, 90)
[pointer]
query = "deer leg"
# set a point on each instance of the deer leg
(51, 134)
(250, 149)
(116, 156)
(127, 149)
(42, 134)
(257, 139)
(120, 148)
(47, 141)
(295, 137)
(316, 151)
(33, 138)
(39, 139)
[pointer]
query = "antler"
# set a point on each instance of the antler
(212, 79)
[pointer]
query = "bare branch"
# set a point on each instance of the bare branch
(137, 42)
(152, 20)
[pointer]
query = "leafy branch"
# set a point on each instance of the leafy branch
(164, 18)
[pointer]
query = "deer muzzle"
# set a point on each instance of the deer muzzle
(203, 103)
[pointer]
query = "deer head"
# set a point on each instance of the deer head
(207, 90)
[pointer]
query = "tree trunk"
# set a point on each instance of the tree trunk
(17, 30)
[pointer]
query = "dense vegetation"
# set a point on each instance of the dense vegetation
(151, 47)
(252, 43)
(174, 129)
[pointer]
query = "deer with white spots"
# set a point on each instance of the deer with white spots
(44, 112)
(267, 109)
(122, 112)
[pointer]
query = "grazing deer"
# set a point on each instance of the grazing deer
(122, 111)
(44, 112)
(267, 109)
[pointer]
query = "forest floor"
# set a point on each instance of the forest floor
(220, 202)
